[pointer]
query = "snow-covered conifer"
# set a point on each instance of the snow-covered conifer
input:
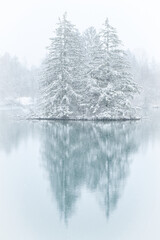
(114, 78)
(88, 76)
(93, 58)
(63, 66)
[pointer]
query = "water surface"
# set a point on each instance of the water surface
(67, 180)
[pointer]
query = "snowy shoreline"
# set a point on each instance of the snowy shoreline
(85, 119)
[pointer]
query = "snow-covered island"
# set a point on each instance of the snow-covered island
(86, 76)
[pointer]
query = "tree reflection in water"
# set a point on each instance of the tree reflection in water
(92, 154)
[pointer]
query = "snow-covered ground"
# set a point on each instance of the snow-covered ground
(17, 107)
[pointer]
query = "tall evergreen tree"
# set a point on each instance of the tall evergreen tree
(62, 72)
(93, 58)
(86, 76)
(93, 50)
(116, 86)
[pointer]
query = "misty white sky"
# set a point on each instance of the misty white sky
(26, 25)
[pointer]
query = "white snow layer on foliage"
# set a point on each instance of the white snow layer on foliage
(86, 76)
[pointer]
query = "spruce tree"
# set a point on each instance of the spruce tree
(88, 76)
(116, 86)
(93, 58)
(63, 65)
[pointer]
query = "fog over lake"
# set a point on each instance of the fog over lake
(79, 120)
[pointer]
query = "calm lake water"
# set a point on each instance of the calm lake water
(80, 180)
